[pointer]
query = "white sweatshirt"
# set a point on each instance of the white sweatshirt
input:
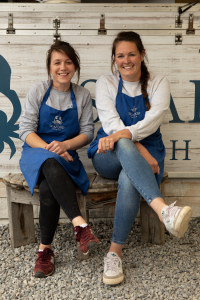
(159, 97)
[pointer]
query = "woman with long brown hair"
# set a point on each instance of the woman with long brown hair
(131, 105)
(56, 121)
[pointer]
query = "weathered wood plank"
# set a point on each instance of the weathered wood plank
(193, 202)
(24, 196)
(26, 187)
(98, 200)
(6, 179)
(181, 87)
(127, 25)
(189, 187)
(3, 208)
(82, 206)
(100, 182)
(152, 230)
(147, 38)
(43, 20)
(130, 7)
(3, 222)
(183, 175)
(17, 181)
(180, 164)
(21, 224)
(2, 189)
(103, 212)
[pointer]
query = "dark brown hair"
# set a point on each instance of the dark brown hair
(67, 49)
(133, 37)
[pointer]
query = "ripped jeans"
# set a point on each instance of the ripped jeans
(135, 178)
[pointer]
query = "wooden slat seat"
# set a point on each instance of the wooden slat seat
(101, 192)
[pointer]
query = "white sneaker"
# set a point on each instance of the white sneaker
(113, 273)
(176, 219)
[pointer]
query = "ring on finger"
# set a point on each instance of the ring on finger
(106, 145)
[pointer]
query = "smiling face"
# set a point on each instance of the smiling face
(128, 60)
(62, 70)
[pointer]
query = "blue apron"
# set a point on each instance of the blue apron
(131, 110)
(54, 125)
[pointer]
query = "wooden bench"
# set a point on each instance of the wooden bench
(101, 191)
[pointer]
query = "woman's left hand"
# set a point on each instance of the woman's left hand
(105, 144)
(149, 158)
(57, 147)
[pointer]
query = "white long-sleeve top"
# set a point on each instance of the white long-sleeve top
(159, 97)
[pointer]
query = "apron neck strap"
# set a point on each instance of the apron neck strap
(49, 89)
(48, 92)
(120, 85)
(72, 92)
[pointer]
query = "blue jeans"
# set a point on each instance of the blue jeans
(135, 178)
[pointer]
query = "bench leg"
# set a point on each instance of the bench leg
(82, 206)
(21, 222)
(152, 230)
(85, 214)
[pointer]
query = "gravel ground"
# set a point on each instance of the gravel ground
(163, 272)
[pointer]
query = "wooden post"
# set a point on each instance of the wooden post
(152, 230)
(21, 222)
(82, 206)
(85, 214)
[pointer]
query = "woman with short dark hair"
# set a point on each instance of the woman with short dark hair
(56, 121)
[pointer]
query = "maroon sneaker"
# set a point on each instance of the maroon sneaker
(44, 265)
(88, 241)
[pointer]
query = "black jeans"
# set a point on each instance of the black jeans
(57, 189)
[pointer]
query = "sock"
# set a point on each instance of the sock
(40, 250)
(163, 211)
(84, 225)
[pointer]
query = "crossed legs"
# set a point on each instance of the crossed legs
(135, 178)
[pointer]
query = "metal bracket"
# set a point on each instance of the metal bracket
(102, 29)
(10, 29)
(178, 21)
(190, 29)
(178, 39)
(56, 25)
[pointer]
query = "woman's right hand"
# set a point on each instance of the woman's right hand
(149, 158)
(67, 156)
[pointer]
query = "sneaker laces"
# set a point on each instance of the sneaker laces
(44, 255)
(81, 233)
(172, 210)
(111, 263)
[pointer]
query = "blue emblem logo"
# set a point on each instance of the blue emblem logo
(8, 128)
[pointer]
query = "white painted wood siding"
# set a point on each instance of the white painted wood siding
(26, 50)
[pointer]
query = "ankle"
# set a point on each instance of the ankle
(42, 247)
(78, 221)
(118, 253)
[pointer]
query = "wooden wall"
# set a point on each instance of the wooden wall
(25, 51)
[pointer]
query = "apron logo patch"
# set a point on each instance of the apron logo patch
(134, 113)
(57, 122)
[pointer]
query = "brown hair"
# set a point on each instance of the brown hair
(133, 37)
(68, 50)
